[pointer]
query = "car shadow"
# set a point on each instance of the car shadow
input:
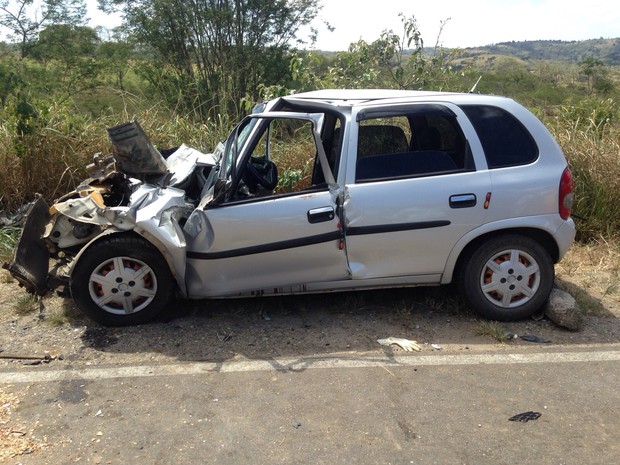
(271, 328)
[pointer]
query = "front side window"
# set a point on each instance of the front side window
(410, 144)
(504, 139)
(283, 158)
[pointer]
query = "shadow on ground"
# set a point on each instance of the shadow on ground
(304, 326)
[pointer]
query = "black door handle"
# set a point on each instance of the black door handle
(318, 215)
(463, 201)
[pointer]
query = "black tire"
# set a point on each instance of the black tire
(136, 294)
(507, 278)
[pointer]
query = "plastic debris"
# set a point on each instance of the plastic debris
(225, 337)
(525, 416)
(532, 338)
(436, 347)
(405, 344)
(296, 425)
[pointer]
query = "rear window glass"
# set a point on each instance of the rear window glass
(504, 139)
(406, 144)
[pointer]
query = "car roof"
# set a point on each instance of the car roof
(362, 97)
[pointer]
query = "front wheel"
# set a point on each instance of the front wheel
(507, 278)
(121, 280)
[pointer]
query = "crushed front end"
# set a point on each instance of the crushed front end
(135, 189)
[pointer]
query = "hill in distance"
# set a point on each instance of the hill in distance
(606, 50)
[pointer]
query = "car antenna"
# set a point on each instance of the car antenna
(471, 91)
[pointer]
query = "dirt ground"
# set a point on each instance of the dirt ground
(53, 332)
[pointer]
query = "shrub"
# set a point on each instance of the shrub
(589, 134)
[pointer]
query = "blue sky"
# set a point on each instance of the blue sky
(472, 22)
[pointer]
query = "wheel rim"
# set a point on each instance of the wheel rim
(510, 278)
(123, 285)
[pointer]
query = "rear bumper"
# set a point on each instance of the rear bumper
(565, 235)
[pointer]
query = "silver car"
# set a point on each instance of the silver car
(323, 191)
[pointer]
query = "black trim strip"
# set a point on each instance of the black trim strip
(312, 240)
(387, 228)
(263, 248)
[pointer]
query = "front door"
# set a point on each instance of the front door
(279, 230)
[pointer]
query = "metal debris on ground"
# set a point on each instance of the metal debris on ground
(296, 425)
(31, 358)
(533, 338)
(525, 416)
(405, 344)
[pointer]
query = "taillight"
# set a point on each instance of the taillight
(566, 194)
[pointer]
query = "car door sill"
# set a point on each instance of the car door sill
(343, 285)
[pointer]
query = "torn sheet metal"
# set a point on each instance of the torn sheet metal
(30, 262)
(135, 154)
(183, 162)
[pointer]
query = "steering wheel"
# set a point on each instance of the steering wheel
(263, 172)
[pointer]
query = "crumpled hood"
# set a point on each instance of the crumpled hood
(183, 161)
(137, 157)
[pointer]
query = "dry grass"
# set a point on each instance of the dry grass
(52, 157)
(589, 135)
(591, 273)
(5, 277)
(492, 329)
(62, 314)
(26, 304)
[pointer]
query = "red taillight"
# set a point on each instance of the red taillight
(566, 194)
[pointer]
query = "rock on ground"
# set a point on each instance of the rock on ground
(564, 311)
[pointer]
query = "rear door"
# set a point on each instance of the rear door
(415, 191)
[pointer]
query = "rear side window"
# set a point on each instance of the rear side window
(403, 144)
(504, 139)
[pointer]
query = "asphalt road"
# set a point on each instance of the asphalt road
(423, 408)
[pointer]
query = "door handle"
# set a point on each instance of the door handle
(463, 201)
(321, 214)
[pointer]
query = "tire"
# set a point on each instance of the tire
(122, 280)
(507, 278)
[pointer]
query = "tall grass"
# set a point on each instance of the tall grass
(589, 134)
(8, 239)
(49, 157)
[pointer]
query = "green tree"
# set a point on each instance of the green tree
(115, 56)
(211, 54)
(24, 19)
(9, 83)
(65, 42)
(596, 75)
(392, 61)
(69, 53)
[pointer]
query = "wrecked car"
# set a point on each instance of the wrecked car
(316, 192)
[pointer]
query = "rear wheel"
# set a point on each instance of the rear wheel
(508, 278)
(121, 280)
